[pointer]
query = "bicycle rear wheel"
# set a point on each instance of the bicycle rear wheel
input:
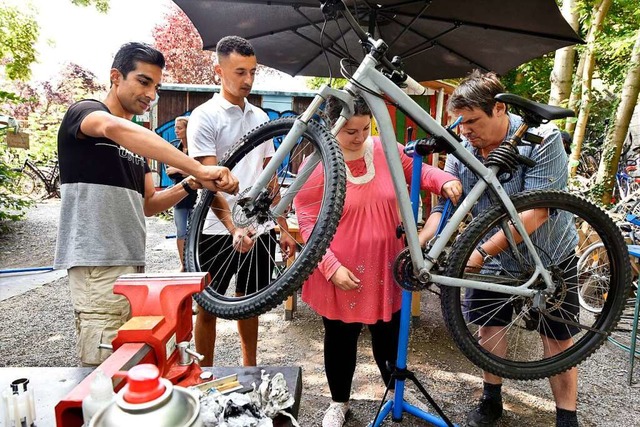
(31, 185)
(504, 334)
(246, 285)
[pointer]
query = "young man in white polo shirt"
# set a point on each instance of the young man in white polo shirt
(214, 127)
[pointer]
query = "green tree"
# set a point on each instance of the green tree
(100, 5)
(617, 133)
(18, 34)
(317, 82)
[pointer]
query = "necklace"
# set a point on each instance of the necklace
(368, 162)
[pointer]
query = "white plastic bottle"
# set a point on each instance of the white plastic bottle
(100, 394)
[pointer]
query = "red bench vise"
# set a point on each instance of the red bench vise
(158, 332)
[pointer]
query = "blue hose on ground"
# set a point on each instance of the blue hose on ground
(25, 270)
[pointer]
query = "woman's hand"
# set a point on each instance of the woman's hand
(288, 245)
(452, 190)
(344, 279)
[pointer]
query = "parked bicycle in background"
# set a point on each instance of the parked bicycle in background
(38, 182)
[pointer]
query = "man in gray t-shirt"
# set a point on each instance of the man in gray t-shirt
(107, 190)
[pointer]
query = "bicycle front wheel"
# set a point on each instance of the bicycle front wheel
(247, 284)
(512, 336)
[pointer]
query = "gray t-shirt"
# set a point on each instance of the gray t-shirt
(102, 185)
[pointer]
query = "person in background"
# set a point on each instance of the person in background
(183, 209)
(486, 123)
(107, 189)
(213, 129)
(353, 284)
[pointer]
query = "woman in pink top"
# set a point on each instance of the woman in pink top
(353, 284)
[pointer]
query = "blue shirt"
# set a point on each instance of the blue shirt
(550, 172)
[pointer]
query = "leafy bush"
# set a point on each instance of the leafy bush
(12, 206)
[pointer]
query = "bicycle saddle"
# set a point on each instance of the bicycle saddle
(535, 109)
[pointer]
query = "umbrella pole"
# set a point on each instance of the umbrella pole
(398, 406)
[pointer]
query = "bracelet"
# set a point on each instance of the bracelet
(485, 256)
(188, 189)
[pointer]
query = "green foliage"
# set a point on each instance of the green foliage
(531, 80)
(12, 206)
(601, 118)
(18, 34)
(100, 5)
(613, 48)
(615, 43)
(316, 82)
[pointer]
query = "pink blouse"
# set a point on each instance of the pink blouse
(365, 241)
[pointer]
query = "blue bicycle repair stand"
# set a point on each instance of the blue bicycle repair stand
(397, 406)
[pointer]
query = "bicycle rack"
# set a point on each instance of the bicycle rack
(397, 406)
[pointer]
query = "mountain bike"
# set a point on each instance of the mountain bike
(38, 182)
(529, 272)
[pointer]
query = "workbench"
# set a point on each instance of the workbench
(50, 385)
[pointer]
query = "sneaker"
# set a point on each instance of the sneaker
(485, 414)
(336, 415)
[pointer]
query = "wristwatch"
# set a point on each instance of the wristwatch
(188, 189)
(485, 256)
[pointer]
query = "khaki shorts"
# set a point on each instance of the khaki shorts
(99, 313)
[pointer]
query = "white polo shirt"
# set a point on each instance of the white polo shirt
(214, 127)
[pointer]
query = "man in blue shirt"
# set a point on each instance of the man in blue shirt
(486, 123)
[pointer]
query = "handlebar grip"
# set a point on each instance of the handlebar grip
(414, 87)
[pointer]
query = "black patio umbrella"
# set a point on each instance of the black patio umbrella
(436, 39)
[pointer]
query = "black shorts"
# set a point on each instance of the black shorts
(252, 271)
(487, 308)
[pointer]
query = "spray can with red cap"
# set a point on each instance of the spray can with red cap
(149, 400)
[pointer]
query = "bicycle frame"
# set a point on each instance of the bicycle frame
(367, 75)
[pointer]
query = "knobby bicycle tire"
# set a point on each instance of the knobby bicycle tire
(516, 335)
(240, 299)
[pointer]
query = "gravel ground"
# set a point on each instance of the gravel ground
(36, 329)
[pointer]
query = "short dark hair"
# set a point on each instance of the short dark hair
(333, 107)
(229, 44)
(131, 53)
(477, 90)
